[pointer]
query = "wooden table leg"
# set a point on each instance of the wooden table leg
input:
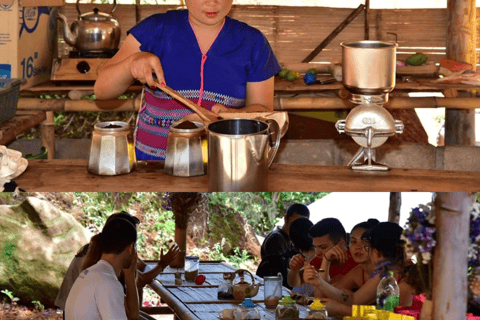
(47, 131)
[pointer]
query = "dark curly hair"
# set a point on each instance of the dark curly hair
(299, 234)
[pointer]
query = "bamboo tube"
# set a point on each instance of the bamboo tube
(47, 131)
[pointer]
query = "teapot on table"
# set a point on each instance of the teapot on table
(243, 289)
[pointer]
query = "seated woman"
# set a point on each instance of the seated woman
(359, 275)
(303, 243)
(386, 251)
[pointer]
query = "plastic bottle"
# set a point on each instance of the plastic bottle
(388, 293)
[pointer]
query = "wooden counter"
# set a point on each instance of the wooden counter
(72, 175)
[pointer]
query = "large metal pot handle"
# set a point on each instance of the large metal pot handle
(111, 12)
(274, 138)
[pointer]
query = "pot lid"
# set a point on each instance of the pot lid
(96, 16)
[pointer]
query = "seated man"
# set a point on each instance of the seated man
(97, 293)
(82, 261)
(277, 248)
(329, 240)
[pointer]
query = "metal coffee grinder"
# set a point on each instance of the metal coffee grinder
(368, 73)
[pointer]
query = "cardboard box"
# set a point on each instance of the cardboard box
(27, 34)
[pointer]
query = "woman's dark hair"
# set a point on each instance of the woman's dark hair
(367, 225)
(299, 234)
(331, 226)
(385, 237)
(298, 208)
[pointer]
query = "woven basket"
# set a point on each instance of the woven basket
(9, 90)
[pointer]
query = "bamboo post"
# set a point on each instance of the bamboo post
(461, 46)
(367, 19)
(47, 131)
(394, 208)
(450, 259)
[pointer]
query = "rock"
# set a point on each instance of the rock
(37, 243)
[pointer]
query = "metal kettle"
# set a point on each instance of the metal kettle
(92, 32)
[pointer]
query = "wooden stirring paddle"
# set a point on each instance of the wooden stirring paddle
(203, 113)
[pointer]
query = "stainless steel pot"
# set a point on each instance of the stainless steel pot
(240, 151)
(369, 66)
(112, 151)
(92, 32)
(184, 156)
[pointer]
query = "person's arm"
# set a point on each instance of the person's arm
(127, 65)
(349, 281)
(336, 308)
(132, 307)
(259, 98)
(295, 272)
(165, 260)
(365, 295)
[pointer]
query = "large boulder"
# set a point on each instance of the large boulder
(37, 244)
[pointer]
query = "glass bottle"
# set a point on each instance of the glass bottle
(272, 290)
(287, 309)
(225, 288)
(388, 293)
(317, 310)
(247, 311)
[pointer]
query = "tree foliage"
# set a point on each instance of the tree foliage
(263, 209)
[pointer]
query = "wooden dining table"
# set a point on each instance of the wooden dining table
(190, 301)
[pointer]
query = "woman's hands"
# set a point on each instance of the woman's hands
(297, 262)
(142, 67)
(338, 253)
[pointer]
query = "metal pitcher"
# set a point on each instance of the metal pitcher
(240, 151)
(112, 151)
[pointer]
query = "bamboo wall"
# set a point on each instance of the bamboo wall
(294, 32)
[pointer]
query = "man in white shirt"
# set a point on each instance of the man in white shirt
(97, 293)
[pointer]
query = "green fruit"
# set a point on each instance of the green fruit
(291, 76)
(283, 74)
(312, 70)
(416, 59)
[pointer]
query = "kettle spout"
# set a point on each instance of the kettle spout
(70, 38)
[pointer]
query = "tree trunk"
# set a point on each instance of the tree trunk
(181, 240)
(394, 209)
(461, 46)
(183, 205)
(450, 259)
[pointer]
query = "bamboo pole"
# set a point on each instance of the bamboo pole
(450, 259)
(367, 19)
(280, 104)
(47, 132)
(78, 105)
(461, 46)
(332, 103)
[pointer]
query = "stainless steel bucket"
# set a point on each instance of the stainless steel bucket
(240, 151)
(369, 66)
(184, 155)
(112, 151)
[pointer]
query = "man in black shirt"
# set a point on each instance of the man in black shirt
(277, 248)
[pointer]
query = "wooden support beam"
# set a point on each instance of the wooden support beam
(461, 46)
(450, 259)
(334, 33)
(78, 105)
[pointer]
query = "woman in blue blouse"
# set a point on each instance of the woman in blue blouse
(215, 61)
